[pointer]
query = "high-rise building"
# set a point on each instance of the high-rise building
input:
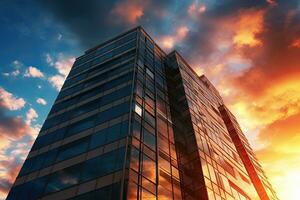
(132, 122)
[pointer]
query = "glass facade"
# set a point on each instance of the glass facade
(132, 122)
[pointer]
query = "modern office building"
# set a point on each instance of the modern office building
(132, 122)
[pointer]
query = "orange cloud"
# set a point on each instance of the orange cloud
(9, 101)
(129, 11)
(280, 158)
(33, 72)
(248, 26)
(169, 41)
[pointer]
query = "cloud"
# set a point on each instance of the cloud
(49, 59)
(59, 36)
(57, 81)
(13, 73)
(41, 101)
(94, 22)
(17, 64)
(282, 153)
(33, 72)
(169, 41)
(11, 167)
(63, 66)
(9, 101)
(195, 9)
(248, 27)
(31, 116)
(129, 11)
(12, 127)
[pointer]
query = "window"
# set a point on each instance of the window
(63, 179)
(132, 191)
(150, 119)
(164, 162)
(112, 112)
(98, 139)
(104, 164)
(113, 133)
(134, 163)
(149, 101)
(136, 129)
(80, 126)
(163, 144)
(165, 181)
(162, 126)
(73, 149)
(139, 89)
(138, 109)
(149, 168)
(50, 157)
(149, 73)
(149, 139)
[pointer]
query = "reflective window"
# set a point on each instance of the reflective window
(80, 126)
(136, 129)
(150, 119)
(102, 165)
(149, 139)
(134, 163)
(63, 179)
(138, 109)
(147, 195)
(149, 73)
(73, 149)
(149, 168)
(98, 139)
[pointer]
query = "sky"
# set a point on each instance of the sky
(249, 49)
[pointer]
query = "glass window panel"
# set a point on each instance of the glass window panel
(164, 164)
(138, 109)
(132, 191)
(165, 180)
(63, 179)
(134, 163)
(163, 193)
(150, 119)
(136, 129)
(162, 126)
(150, 101)
(72, 149)
(98, 139)
(113, 133)
(149, 185)
(80, 126)
(163, 144)
(149, 139)
(139, 89)
(149, 168)
(147, 195)
(149, 73)
(175, 172)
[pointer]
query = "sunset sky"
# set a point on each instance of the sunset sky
(249, 49)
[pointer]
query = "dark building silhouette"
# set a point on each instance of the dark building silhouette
(132, 122)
